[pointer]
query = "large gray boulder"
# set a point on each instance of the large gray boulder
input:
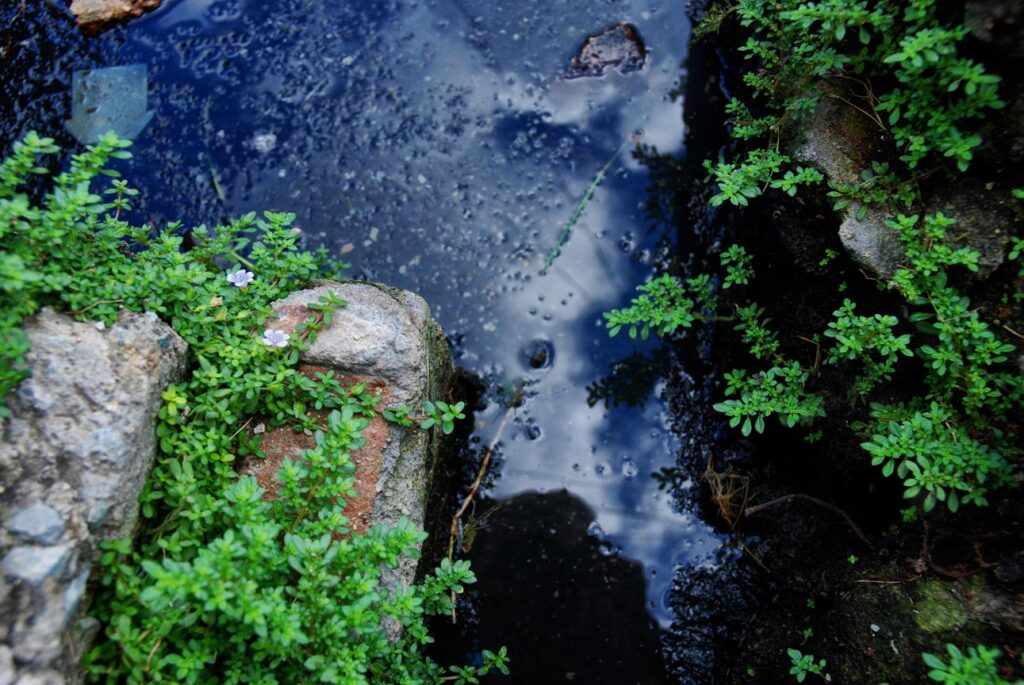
(384, 337)
(73, 458)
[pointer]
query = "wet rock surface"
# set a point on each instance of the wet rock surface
(386, 338)
(73, 459)
(616, 47)
(94, 16)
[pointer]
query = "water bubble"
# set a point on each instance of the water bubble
(538, 354)
(629, 468)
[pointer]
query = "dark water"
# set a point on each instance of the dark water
(438, 147)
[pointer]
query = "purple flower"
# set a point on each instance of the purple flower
(275, 338)
(241, 278)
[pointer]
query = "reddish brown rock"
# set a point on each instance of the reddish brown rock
(384, 337)
(94, 16)
(285, 443)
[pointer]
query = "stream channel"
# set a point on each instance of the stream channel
(441, 147)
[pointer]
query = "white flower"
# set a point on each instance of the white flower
(241, 278)
(274, 338)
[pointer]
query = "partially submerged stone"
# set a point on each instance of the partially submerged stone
(94, 16)
(384, 337)
(73, 459)
(617, 47)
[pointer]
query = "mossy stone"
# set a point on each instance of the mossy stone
(939, 606)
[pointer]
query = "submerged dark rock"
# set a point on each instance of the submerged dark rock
(616, 47)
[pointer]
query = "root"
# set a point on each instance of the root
(786, 499)
(729, 490)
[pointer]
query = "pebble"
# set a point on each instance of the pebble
(38, 523)
(35, 564)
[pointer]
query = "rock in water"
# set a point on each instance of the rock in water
(73, 458)
(616, 47)
(94, 16)
(384, 337)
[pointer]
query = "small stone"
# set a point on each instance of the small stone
(35, 564)
(875, 628)
(616, 47)
(100, 326)
(38, 523)
(94, 16)
(46, 677)
(264, 142)
(73, 595)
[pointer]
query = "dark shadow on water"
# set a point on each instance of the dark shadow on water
(571, 613)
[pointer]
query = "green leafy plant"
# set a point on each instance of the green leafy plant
(442, 414)
(738, 183)
(665, 304)
(225, 585)
(778, 391)
(878, 186)
(977, 667)
(935, 458)
(762, 342)
(738, 266)
(869, 339)
(803, 664)
(803, 49)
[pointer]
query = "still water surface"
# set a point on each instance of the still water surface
(438, 146)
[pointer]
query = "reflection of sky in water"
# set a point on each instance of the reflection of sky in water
(436, 146)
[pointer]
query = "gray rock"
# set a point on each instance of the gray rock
(997, 22)
(41, 677)
(381, 333)
(34, 564)
(842, 142)
(76, 590)
(85, 416)
(38, 523)
(77, 446)
(839, 140)
(984, 221)
(617, 47)
(870, 243)
(7, 673)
